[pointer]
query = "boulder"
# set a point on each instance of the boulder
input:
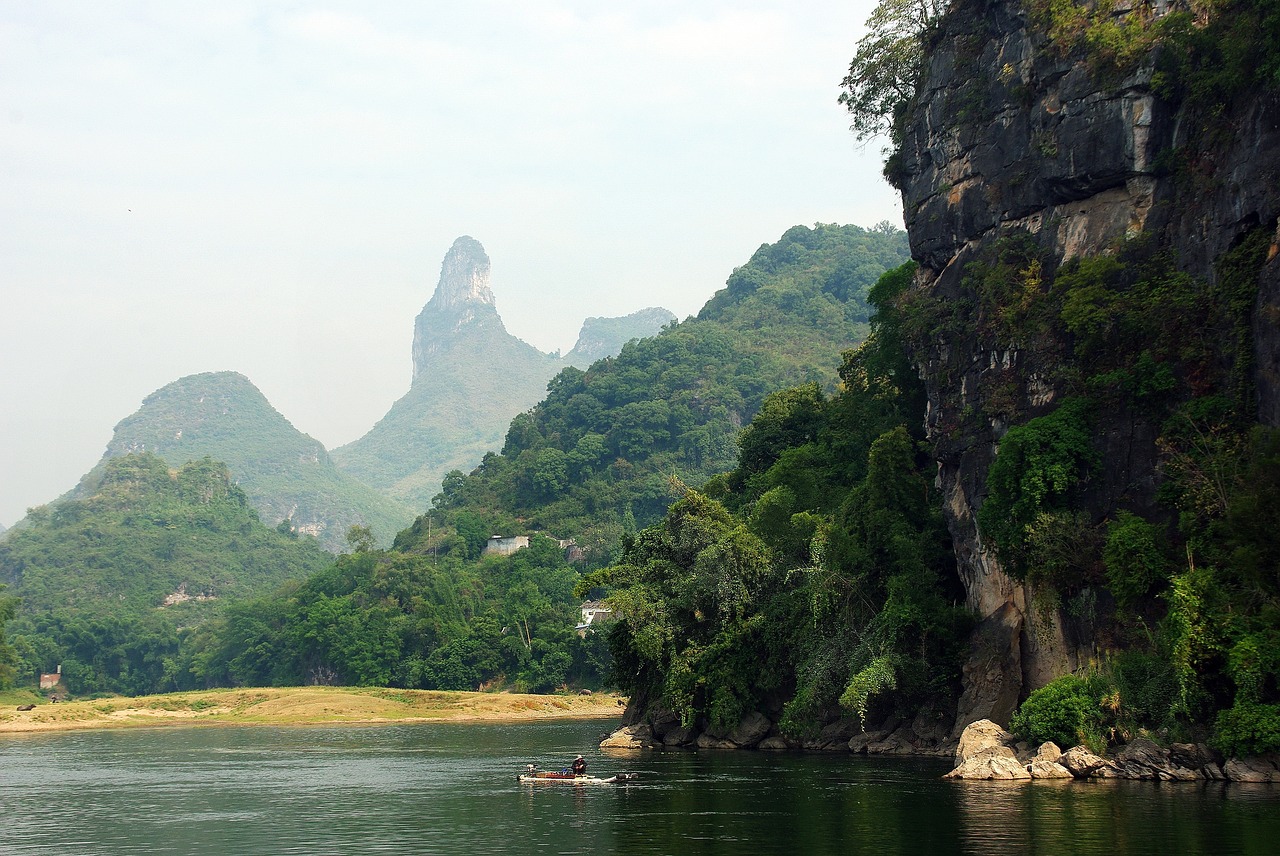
(900, 742)
(1039, 768)
(707, 740)
(834, 737)
(629, 737)
(981, 735)
(993, 762)
(1194, 756)
(931, 726)
(680, 735)
(1263, 768)
(1140, 758)
(1082, 763)
(751, 730)
(776, 742)
(858, 743)
(1049, 751)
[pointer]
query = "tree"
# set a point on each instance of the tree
(8, 656)
(886, 68)
(360, 539)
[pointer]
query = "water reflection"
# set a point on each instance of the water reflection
(451, 789)
(1066, 817)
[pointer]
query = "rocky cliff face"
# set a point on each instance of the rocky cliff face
(462, 298)
(1011, 135)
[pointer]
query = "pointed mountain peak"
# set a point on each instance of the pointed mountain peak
(462, 308)
(464, 276)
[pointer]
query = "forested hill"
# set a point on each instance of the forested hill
(596, 458)
(285, 474)
(106, 580)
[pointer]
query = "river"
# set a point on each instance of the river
(451, 789)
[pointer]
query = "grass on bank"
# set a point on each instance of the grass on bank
(295, 706)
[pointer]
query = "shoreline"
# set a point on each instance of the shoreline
(305, 706)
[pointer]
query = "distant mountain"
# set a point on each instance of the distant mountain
(604, 337)
(111, 578)
(470, 377)
(286, 475)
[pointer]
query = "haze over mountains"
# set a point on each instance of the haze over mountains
(470, 377)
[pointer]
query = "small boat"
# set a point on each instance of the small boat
(532, 775)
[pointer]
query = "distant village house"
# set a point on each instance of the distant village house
(505, 545)
(594, 612)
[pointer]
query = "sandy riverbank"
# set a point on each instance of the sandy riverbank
(305, 706)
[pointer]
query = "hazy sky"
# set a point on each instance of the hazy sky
(269, 187)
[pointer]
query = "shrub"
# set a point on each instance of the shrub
(1248, 729)
(1037, 469)
(1067, 711)
(1133, 558)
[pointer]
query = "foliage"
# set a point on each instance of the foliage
(1248, 729)
(1038, 467)
(1067, 711)
(886, 68)
(285, 474)
(110, 582)
(388, 618)
(8, 656)
(594, 459)
(821, 578)
(1133, 557)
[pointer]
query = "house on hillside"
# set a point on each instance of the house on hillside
(594, 613)
(505, 545)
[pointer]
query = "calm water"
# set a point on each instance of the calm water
(451, 789)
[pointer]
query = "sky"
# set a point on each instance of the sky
(270, 187)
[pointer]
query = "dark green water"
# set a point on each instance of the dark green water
(451, 789)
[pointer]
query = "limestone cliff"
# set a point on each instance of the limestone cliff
(1011, 134)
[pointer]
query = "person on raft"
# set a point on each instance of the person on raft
(579, 766)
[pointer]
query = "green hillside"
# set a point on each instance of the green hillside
(285, 474)
(597, 457)
(454, 412)
(109, 581)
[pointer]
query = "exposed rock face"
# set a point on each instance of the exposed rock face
(462, 297)
(1012, 136)
(1265, 768)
